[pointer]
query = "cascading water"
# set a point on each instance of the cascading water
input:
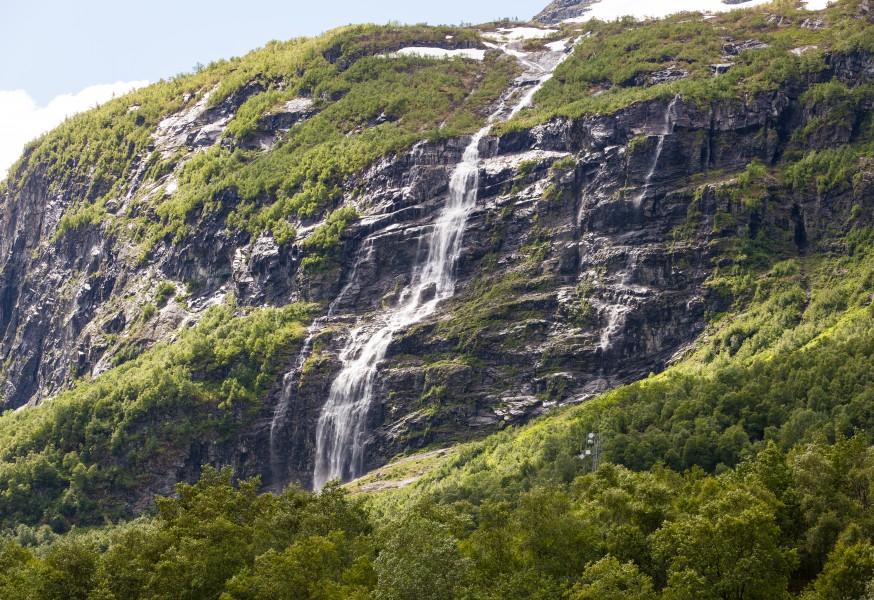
(341, 427)
(617, 313)
(667, 129)
(341, 430)
(290, 380)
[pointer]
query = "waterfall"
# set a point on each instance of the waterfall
(291, 379)
(615, 320)
(341, 431)
(667, 129)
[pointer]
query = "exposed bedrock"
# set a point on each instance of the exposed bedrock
(580, 270)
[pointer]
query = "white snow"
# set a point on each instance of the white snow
(610, 10)
(441, 52)
(816, 4)
(557, 46)
(518, 33)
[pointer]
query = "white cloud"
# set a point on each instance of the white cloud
(22, 120)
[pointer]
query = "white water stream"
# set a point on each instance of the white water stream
(341, 432)
(291, 379)
(667, 129)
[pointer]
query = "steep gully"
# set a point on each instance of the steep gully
(341, 429)
(616, 313)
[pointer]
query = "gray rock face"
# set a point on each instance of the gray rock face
(572, 280)
(559, 10)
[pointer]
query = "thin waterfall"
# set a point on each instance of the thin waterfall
(292, 378)
(341, 431)
(667, 129)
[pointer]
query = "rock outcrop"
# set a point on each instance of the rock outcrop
(559, 10)
(584, 267)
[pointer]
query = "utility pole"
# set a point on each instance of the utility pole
(590, 451)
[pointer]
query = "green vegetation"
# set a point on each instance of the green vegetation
(165, 291)
(776, 525)
(215, 538)
(612, 67)
(74, 458)
(324, 243)
(149, 311)
(745, 471)
(498, 297)
(366, 104)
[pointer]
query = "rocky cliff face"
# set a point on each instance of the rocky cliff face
(584, 266)
(559, 10)
(576, 275)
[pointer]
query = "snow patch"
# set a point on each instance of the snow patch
(473, 53)
(558, 46)
(518, 33)
(610, 10)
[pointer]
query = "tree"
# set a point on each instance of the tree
(608, 579)
(67, 572)
(728, 550)
(420, 560)
(18, 567)
(311, 568)
(550, 537)
(846, 573)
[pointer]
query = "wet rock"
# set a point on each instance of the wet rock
(428, 292)
(666, 75)
(730, 49)
(570, 281)
(779, 21)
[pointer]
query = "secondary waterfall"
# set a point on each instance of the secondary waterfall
(291, 378)
(667, 129)
(341, 430)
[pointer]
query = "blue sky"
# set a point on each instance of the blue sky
(52, 47)
(60, 57)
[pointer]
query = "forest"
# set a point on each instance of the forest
(742, 469)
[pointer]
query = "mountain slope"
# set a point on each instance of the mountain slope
(670, 249)
(676, 193)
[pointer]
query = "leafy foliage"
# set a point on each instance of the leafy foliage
(216, 538)
(614, 64)
(752, 532)
(72, 459)
(743, 472)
